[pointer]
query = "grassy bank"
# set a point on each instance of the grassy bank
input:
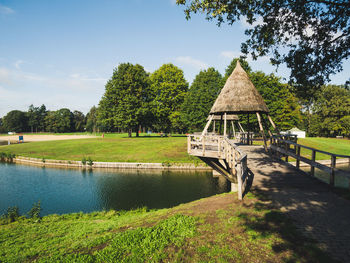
(214, 229)
(111, 148)
(153, 149)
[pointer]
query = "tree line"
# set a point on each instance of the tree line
(135, 100)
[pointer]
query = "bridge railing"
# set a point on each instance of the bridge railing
(220, 147)
(279, 145)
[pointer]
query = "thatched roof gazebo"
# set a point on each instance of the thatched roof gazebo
(239, 96)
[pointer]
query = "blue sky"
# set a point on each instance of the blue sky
(61, 53)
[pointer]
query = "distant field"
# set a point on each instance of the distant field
(111, 148)
(116, 147)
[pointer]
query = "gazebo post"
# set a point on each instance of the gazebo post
(207, 125)
(273, 124)
(220, 125)
(225, 124)
(233, 128)
(248, 128)
(240, 126)
(262, 130)
(214, 126)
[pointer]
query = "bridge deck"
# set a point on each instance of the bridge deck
(316, 210)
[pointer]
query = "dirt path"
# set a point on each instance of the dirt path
(317, 212)
(37, 138)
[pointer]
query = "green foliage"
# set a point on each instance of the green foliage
(83, 161)
(11, 215)
(125, 103)
(311, 37)
(90, 162)
(200, 98)
(7, 157)
(91, 120)
(330, 112)
(148, 244)
(15, 121)
(59, 121)
(78, 121)
(34, 212)
(36, 118)
(169, 87)
(283, 105)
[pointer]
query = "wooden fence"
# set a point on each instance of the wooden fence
(281, 145)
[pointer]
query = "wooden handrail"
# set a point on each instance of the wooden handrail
(309, 148)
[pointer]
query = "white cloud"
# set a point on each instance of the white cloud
(187, 60)
(18, 63)
(6, 10)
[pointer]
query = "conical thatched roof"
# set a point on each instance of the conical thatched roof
(239, 95)
(229, 117)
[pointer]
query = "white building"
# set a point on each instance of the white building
(296, 131)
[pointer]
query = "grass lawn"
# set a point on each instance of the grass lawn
(111, 148)
(215, 229)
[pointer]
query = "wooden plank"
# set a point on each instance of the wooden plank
(225, 124)
(333, 164)
(313, 160)
(298, 159)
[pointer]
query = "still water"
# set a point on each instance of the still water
(67, 190)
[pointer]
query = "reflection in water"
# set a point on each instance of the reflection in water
(67, 190)
(339, 181)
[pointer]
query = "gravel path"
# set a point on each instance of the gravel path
(37, 138)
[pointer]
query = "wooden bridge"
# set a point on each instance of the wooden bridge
(229, 159)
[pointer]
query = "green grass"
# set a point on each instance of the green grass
(333, 145)
(207, 230)
(154, 149)
(112, 148)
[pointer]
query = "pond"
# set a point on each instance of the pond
(339, 181)
(69, 190)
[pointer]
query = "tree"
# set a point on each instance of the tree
(200, 98)
(59, 121)
(91, 120)
(311, 37)
(33, 117)
(16, 121)
(283, 105)
(78, 121)
(169, 87)
(330, 112)
(126, 99)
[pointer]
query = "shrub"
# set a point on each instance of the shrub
(83, 161)
(12, 214)
(34, 212)
(90, 162)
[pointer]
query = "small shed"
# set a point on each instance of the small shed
(296, 131)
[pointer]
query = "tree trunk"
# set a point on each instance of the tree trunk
(137, 131)
(129, 132)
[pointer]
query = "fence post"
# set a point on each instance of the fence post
(333, 164)
(298, 157)
(286, 148)
(313, 160)
(189, 144)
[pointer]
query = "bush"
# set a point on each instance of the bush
(83, 161)
(90, 162)
(34, 212)
(12, 214)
